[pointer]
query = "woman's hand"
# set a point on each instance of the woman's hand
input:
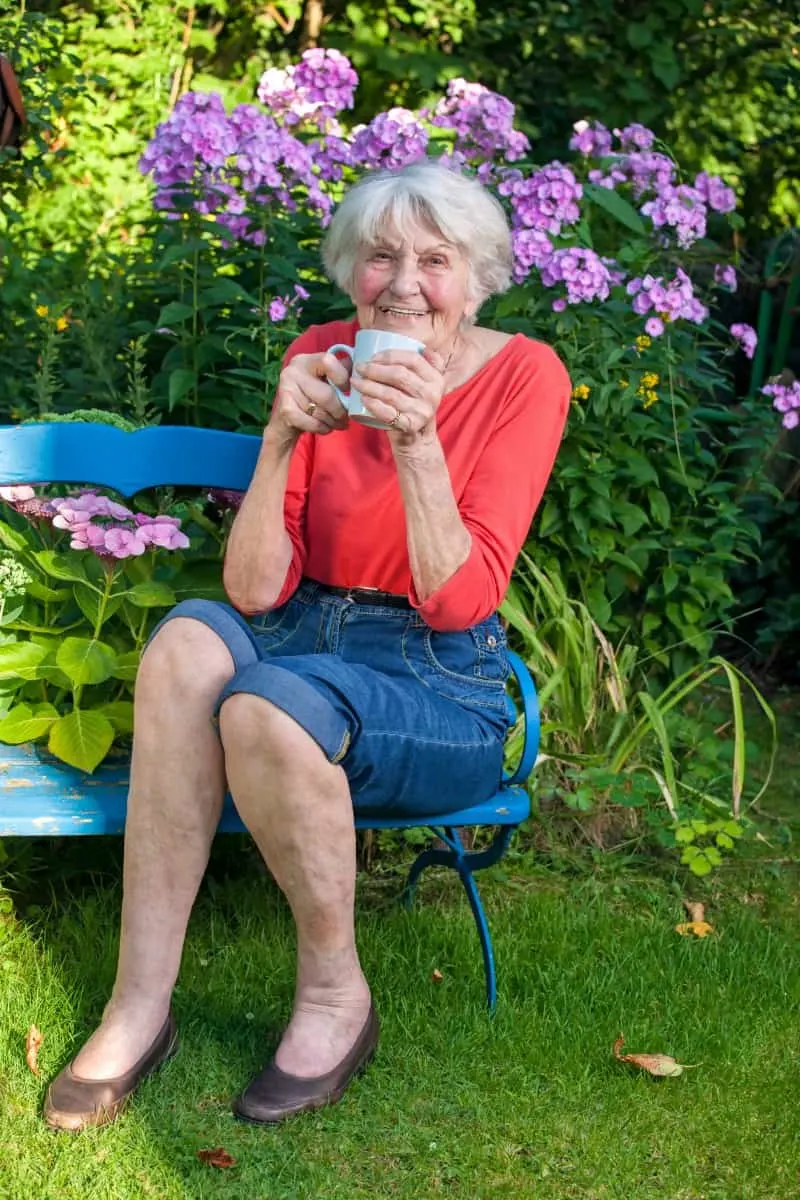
(305, 401)
(404, 389)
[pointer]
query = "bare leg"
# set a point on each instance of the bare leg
(176, 794)
(298, 808)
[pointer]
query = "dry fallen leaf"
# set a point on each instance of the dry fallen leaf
(661, 1065)
(436, 975)
(33, 1041)
(700, 929)
(218, 1157)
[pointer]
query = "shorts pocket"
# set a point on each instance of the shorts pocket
(273, 629)
(469, 666)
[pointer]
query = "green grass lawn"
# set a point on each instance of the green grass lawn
(528, 1104)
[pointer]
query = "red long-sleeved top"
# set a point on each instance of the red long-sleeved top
(500, 432)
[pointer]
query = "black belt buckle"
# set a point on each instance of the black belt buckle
(372, 595)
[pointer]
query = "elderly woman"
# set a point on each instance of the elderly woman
(361, 664)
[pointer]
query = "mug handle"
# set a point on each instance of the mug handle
(350, 351)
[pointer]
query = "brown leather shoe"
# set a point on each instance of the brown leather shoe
(73, 1103)
(273, 1095)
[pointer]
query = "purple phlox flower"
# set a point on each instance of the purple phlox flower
(645, 170)
(725, 276)
(278, 309)
(683, 209)
(392, 139)
(532, 248)
(785, 400)
(590, 138)
(715, 193)
(582, 271)
(746, 336)
(671, 301)
(301, 292)
(321, 85)
(635, 137)
(546, 200)
(654, 326)
(482, 121)
(195, 138)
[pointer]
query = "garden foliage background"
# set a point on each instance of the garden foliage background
(671, 510)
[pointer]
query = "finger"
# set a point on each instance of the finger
(373, 377)
(337, 370)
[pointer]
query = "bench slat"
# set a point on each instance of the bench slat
(43, 797)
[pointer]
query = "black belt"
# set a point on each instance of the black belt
(366, 595)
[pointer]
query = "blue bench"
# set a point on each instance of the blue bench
(42, 796)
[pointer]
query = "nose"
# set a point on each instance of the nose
(406, 276)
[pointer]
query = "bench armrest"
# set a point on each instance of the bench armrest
(530, 714)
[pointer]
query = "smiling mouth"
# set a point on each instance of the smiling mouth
(403, 312)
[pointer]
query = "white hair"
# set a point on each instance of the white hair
(427, 193)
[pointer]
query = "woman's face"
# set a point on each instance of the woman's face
(413, 282)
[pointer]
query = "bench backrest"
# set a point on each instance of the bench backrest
(82, 452)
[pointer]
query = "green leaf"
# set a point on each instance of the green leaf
(119, 713)
(669, 579)
(152, 594)
(224, 291)
(616, 206)
(19, 660)
(11, 539)
(40, 591)
(181, 381)
(173, 314)
(700, 865)
(659, 507)
(26, 724)
(126, 666)
(61, 566)
(88, 600)
(85, 660)
(82, 739)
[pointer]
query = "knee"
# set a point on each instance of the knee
(250, 725)
(184, 656)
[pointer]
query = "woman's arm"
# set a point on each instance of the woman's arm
(260, 551)
(438, 541)
(264, 552)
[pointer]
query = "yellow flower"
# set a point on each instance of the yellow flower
(61, 324)
(642, 342)
(42, 310)
(649, 380)
(650, 398)
(581, 392)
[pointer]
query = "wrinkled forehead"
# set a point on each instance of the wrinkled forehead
(421, 236)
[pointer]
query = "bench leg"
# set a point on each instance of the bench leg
(465, 862)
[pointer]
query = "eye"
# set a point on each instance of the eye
(381, 256)
(437, 260)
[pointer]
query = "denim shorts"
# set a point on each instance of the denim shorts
(416, 718)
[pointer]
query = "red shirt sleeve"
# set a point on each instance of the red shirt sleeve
(502, 494)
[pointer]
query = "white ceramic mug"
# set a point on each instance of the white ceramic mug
(369, 342)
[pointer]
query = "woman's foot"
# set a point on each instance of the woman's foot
(122, 1038)
(75, 1102)
(324, 1027)
(275, 1094)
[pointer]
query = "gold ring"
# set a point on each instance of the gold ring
(394, 423)
(311, 407)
